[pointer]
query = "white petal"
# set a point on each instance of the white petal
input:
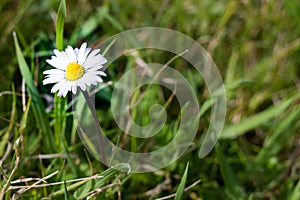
(62, 86)
(61, 57)
(59, 54)
(81, 54)
(94, 61)
(54, 71)
(56, 63)
(71, 54)
(92, 77)
(65, 88)
(101, 73)
(53, 79)
(74, 89)
(81, 85)
(96, 72)
(57, 86)
(93, 53)
(76, 51)
(87, 51)
(95, 68)
(86, 80)
(98, 79)
(65, 56)
(89, 75)
(94, 83)
(65, 92)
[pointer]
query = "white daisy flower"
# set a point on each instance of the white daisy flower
(74, 68)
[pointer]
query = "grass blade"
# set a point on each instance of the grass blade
(180, 189)
(282, 133)
(295, 195)
(107, 174)
(24, 118)
(37, 105)
(65, 191)
(61, 15)
(228, 175)
(5, 137)
(247, 124)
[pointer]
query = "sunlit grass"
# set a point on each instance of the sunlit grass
(255, 45)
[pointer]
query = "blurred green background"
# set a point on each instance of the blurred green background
(256, 46)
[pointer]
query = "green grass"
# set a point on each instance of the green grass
(256, 46)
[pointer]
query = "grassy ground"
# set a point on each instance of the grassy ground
(256, 46)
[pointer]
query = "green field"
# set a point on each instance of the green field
(256, 47)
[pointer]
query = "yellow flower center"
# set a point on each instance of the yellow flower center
(74, 71)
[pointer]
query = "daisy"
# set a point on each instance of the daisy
(74, 68)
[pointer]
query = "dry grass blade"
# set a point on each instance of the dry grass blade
(93, 92)
(56, 183)
(159, 187)
(3, 191)
(51, 156)
(98, 190)
(21, 191)
(186, 189)
(6, 154)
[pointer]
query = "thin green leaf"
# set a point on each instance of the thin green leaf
(5, 137)
(60, 21)
(107, 174)
(295, 195)
(228, 175)
(108, 47)
(37, 104)
(180, 189)
(25, 117)
(255, 121)
(113, 22)
(65, 191)
(282, 133)
(73, 167)
(111, 172)
(231, 68)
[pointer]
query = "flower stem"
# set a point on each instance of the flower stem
(98, 128)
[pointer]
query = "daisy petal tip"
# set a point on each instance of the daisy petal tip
(84, 44)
